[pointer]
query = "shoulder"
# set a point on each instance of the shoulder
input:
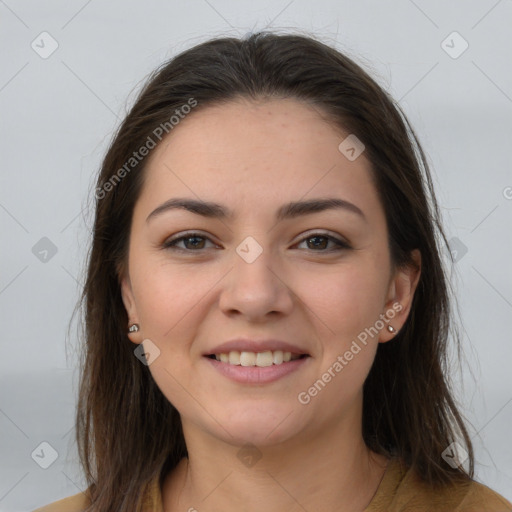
(402, 490)
(481, 497)
(76, 503)
(470, 496)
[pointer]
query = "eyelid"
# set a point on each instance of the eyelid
(186, 234)
(323, 232)
(340, 241)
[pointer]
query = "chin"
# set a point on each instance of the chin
(262, 425)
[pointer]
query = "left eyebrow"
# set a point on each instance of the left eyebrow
(287, 211)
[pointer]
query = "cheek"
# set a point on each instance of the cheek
(347, 305)
(174, 384)
(345, 301)
(167, 295)
(167, 301)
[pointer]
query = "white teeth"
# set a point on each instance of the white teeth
(234, 357)
(278, 357)
(261, 359)
(264, 358)
(247, 358)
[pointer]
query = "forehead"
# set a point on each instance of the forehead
(250, 154)
(242, 127)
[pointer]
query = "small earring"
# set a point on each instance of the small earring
(391, 329)
(133, 328)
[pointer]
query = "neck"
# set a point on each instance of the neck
(331, 471)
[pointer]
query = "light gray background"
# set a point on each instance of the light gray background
(58, 115)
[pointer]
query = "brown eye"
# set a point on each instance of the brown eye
(321, 241)
(316, 242)
(192, 242)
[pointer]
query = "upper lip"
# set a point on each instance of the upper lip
(248, 345)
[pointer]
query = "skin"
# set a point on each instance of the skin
(253, 157)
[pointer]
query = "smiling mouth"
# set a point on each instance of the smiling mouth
(260, 359)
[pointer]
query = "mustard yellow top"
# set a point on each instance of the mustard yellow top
(400, 490)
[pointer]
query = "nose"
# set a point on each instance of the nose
(256, 287)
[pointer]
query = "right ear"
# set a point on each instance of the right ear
(131, 309)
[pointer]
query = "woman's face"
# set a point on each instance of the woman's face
(267, 274)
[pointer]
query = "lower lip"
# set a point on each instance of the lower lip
(257, 374)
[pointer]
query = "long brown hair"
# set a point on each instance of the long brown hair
(126, 429)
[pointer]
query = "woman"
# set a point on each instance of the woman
(266, 309)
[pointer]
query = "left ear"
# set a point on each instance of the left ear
(400, 295)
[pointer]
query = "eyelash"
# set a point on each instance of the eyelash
(171, 244)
